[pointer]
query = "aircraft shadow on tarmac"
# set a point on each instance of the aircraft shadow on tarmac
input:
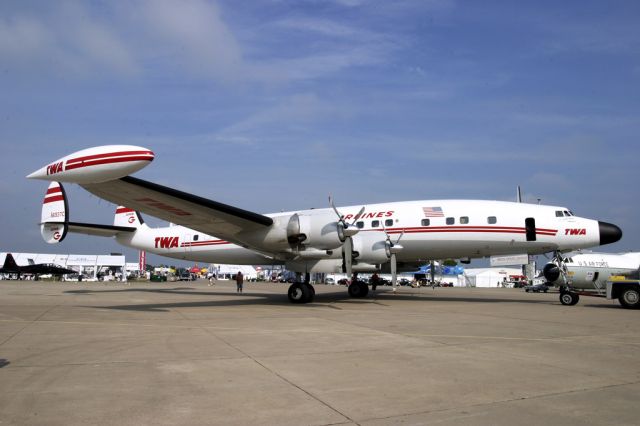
(273, 299)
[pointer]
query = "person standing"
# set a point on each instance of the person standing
(374, 280)
(239, 282)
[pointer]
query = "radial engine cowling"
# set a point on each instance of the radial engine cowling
(320, 231)
(371, 247)
(551, 272)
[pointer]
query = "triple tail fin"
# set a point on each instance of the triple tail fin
(54, 223)
(127, 217)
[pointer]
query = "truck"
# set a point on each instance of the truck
(625, 288)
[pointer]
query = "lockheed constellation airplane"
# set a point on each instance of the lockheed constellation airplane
(374, 237)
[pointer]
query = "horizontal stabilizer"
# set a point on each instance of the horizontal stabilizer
(99, 230)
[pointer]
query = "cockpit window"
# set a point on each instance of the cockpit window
(566, 213)
(559, 213)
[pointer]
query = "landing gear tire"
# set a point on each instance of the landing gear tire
(358, 289)
(630, 298)
(300, 293)
(568, 298)
(312, 291)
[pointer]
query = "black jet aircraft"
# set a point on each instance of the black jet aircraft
(11, 267)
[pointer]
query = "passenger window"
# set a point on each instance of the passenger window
(559, 213)
(492, 220)
(388, 222)
(375, 223)
(426, 222)
(451, 220)
(464, 220)
(195, 237)
(360, 224)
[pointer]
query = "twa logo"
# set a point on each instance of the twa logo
(54, 168)
(166, 242)
(575, 231)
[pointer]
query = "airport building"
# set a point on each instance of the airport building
(89, 267)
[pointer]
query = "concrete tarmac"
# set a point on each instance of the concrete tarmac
(190, 354)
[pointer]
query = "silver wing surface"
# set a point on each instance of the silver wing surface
(201, 214)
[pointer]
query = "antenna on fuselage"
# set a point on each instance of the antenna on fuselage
(518, 195)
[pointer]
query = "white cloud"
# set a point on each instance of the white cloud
(65, 39)
(191, 35)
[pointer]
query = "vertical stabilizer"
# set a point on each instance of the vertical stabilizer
(127, 217)
(10, 264)
(54, 222)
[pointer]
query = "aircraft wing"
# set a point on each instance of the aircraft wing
(204, 215)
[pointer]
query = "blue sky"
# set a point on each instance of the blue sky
(273, 105)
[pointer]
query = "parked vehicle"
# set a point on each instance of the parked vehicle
(537, 288)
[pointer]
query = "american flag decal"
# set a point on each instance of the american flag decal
(433, 212)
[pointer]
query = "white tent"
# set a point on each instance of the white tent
(228, 271)
(489, 277)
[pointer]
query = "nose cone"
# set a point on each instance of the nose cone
(609, 233)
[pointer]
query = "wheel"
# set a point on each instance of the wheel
(312, 292)
(358, 289)
(299, 293)
(568, 298)
(630, 298)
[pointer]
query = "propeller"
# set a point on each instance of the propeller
(346, 231)
(393, 249)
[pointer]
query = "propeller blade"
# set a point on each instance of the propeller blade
(394, 270)
(356, 217)
(333, 206)
(347, 256)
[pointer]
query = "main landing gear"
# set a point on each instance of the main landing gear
(301, 292)
(568, 298)
(358, 289)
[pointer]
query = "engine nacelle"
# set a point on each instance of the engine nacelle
(551, 273)
(320, 231)
(371, 247)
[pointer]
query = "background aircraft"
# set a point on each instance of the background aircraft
(11, 267)
(587, 273)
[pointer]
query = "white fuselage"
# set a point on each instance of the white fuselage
(430, 229)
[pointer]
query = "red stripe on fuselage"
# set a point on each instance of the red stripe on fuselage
(204, 243)
(458, 229)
